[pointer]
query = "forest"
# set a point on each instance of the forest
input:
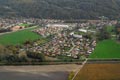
(60, 9)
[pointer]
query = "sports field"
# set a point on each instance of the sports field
(19, 37)
(107, 49)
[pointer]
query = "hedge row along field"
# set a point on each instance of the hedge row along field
(107, 49)
(19, 37)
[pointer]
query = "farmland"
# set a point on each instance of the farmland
(99, 72)
(45, 72)
(19, 37)
(107, 49)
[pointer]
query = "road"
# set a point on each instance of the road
(46, 72)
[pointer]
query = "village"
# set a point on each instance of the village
(59, 39)
(75, 40)
(71, 40)
(14, 24)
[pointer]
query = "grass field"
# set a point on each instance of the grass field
(99, 72)
(107, 49)
(25, 25)
(17, 38)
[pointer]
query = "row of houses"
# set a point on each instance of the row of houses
(51, 29)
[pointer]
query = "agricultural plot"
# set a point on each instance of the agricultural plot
(45, 72)
(99, 72)
(19, 37)
(107, 49)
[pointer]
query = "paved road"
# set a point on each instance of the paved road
(48, 72)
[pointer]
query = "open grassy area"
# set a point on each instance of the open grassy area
(107, 49)
(23, 24)
(99, 72)
(17, 38)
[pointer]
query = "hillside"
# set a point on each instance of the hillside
(60, 9)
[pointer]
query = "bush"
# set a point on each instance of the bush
(35, 55)
(71, 75)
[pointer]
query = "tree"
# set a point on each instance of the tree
(14, 49)
(117, 31)
(103, 34)
(12, 58)
(41, 57)
(23, 59)
(35, 55)
(60, 9)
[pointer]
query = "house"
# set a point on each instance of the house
(77, 36)
(83, 30)
(58, 25)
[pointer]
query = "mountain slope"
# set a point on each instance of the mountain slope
(60, 9)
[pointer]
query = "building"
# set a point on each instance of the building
(58, 25)
(83, 30)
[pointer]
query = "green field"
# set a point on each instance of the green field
(25, 25)
(107, 49)
(19, 37)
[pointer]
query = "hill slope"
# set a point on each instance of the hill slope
(60, 9)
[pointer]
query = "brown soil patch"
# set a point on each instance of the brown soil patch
(99, 72)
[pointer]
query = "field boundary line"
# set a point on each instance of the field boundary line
(80, 69)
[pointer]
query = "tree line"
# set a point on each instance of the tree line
(12, 54)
